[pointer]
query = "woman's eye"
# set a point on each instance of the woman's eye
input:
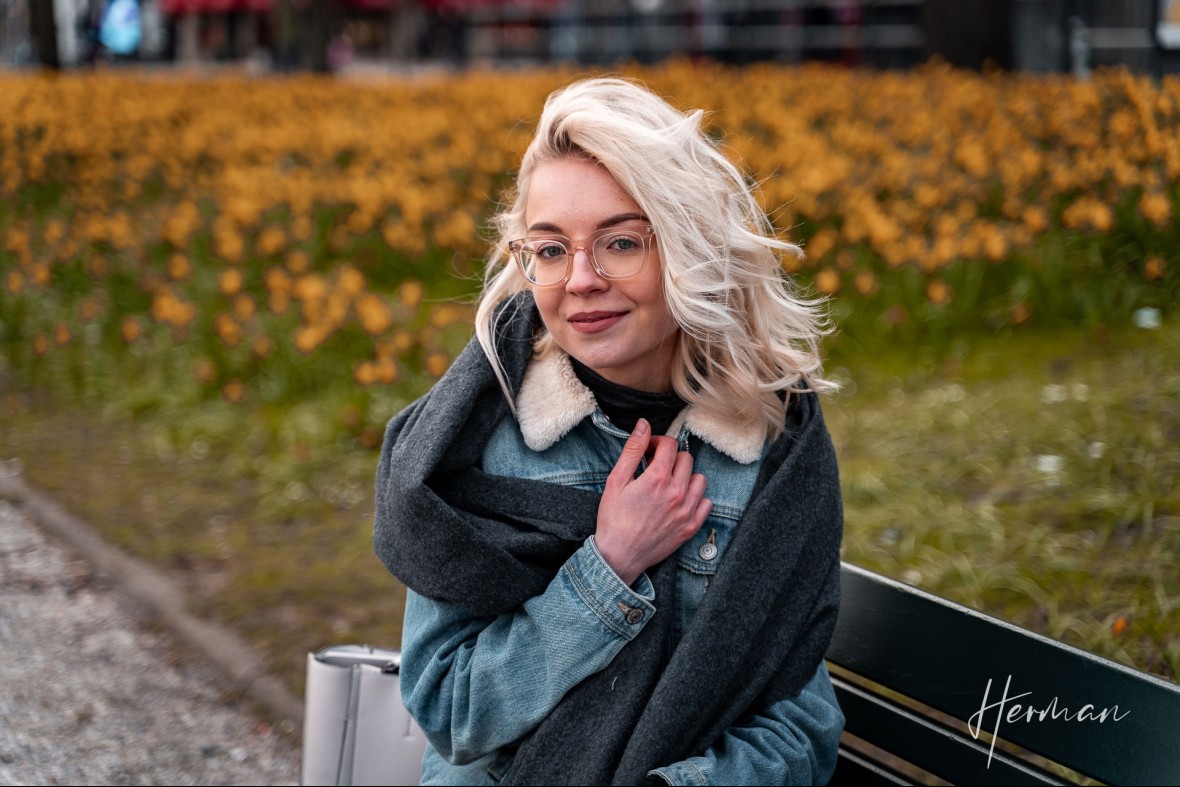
(550, 251)
(622, 243)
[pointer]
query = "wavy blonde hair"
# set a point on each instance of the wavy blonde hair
(747, 336)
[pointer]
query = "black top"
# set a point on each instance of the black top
(625, 406)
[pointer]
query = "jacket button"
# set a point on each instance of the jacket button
(707, 551)
(634, 615)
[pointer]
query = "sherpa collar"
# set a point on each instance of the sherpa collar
(551, 378)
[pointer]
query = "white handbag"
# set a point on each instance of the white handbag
(356, 731)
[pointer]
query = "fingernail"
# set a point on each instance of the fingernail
(641, 427)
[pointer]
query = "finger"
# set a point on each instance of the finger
(703, 509)
(663, 453)
(633, 451)
(689, 507)
(682, 472)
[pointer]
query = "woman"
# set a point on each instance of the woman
(618, 513)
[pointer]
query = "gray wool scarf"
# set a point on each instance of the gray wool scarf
(488, 543)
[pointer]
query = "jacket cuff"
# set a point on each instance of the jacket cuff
(624, 610)
(681, 773)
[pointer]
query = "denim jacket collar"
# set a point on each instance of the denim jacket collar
(550, 379)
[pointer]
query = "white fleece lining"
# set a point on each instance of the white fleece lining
(552, 401)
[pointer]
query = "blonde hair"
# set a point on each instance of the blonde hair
(746, 335)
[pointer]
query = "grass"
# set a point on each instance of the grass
(1028, 475)
(1032, 478)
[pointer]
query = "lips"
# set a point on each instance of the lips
(593, 322)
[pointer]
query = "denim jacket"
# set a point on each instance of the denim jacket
(478, 684)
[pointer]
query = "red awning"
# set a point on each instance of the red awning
(178, 7)
(371, 5)
(483, 5)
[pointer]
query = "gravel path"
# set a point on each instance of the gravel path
(90, 693)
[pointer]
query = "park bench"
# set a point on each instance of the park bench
(912, 671)
(923, 683)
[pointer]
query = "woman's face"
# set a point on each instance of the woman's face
(620, 328)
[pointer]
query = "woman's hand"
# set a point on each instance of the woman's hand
(643, 520)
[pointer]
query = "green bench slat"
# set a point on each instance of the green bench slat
(943, 654)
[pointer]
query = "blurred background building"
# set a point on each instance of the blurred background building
(337, 35)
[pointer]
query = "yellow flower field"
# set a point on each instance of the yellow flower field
(214, 293)
(285, 211)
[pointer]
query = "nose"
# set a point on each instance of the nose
(583, 277)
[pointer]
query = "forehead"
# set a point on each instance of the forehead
(574, 195)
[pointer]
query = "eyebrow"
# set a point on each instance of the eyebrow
(543, 226)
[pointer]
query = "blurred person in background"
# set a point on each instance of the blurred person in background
(618, 513)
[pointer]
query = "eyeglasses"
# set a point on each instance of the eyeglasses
(615, 254)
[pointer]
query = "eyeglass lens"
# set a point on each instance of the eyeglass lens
(616, 254)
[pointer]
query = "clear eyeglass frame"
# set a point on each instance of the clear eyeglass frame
(520, 252)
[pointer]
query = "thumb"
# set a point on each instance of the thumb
(633, 451)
